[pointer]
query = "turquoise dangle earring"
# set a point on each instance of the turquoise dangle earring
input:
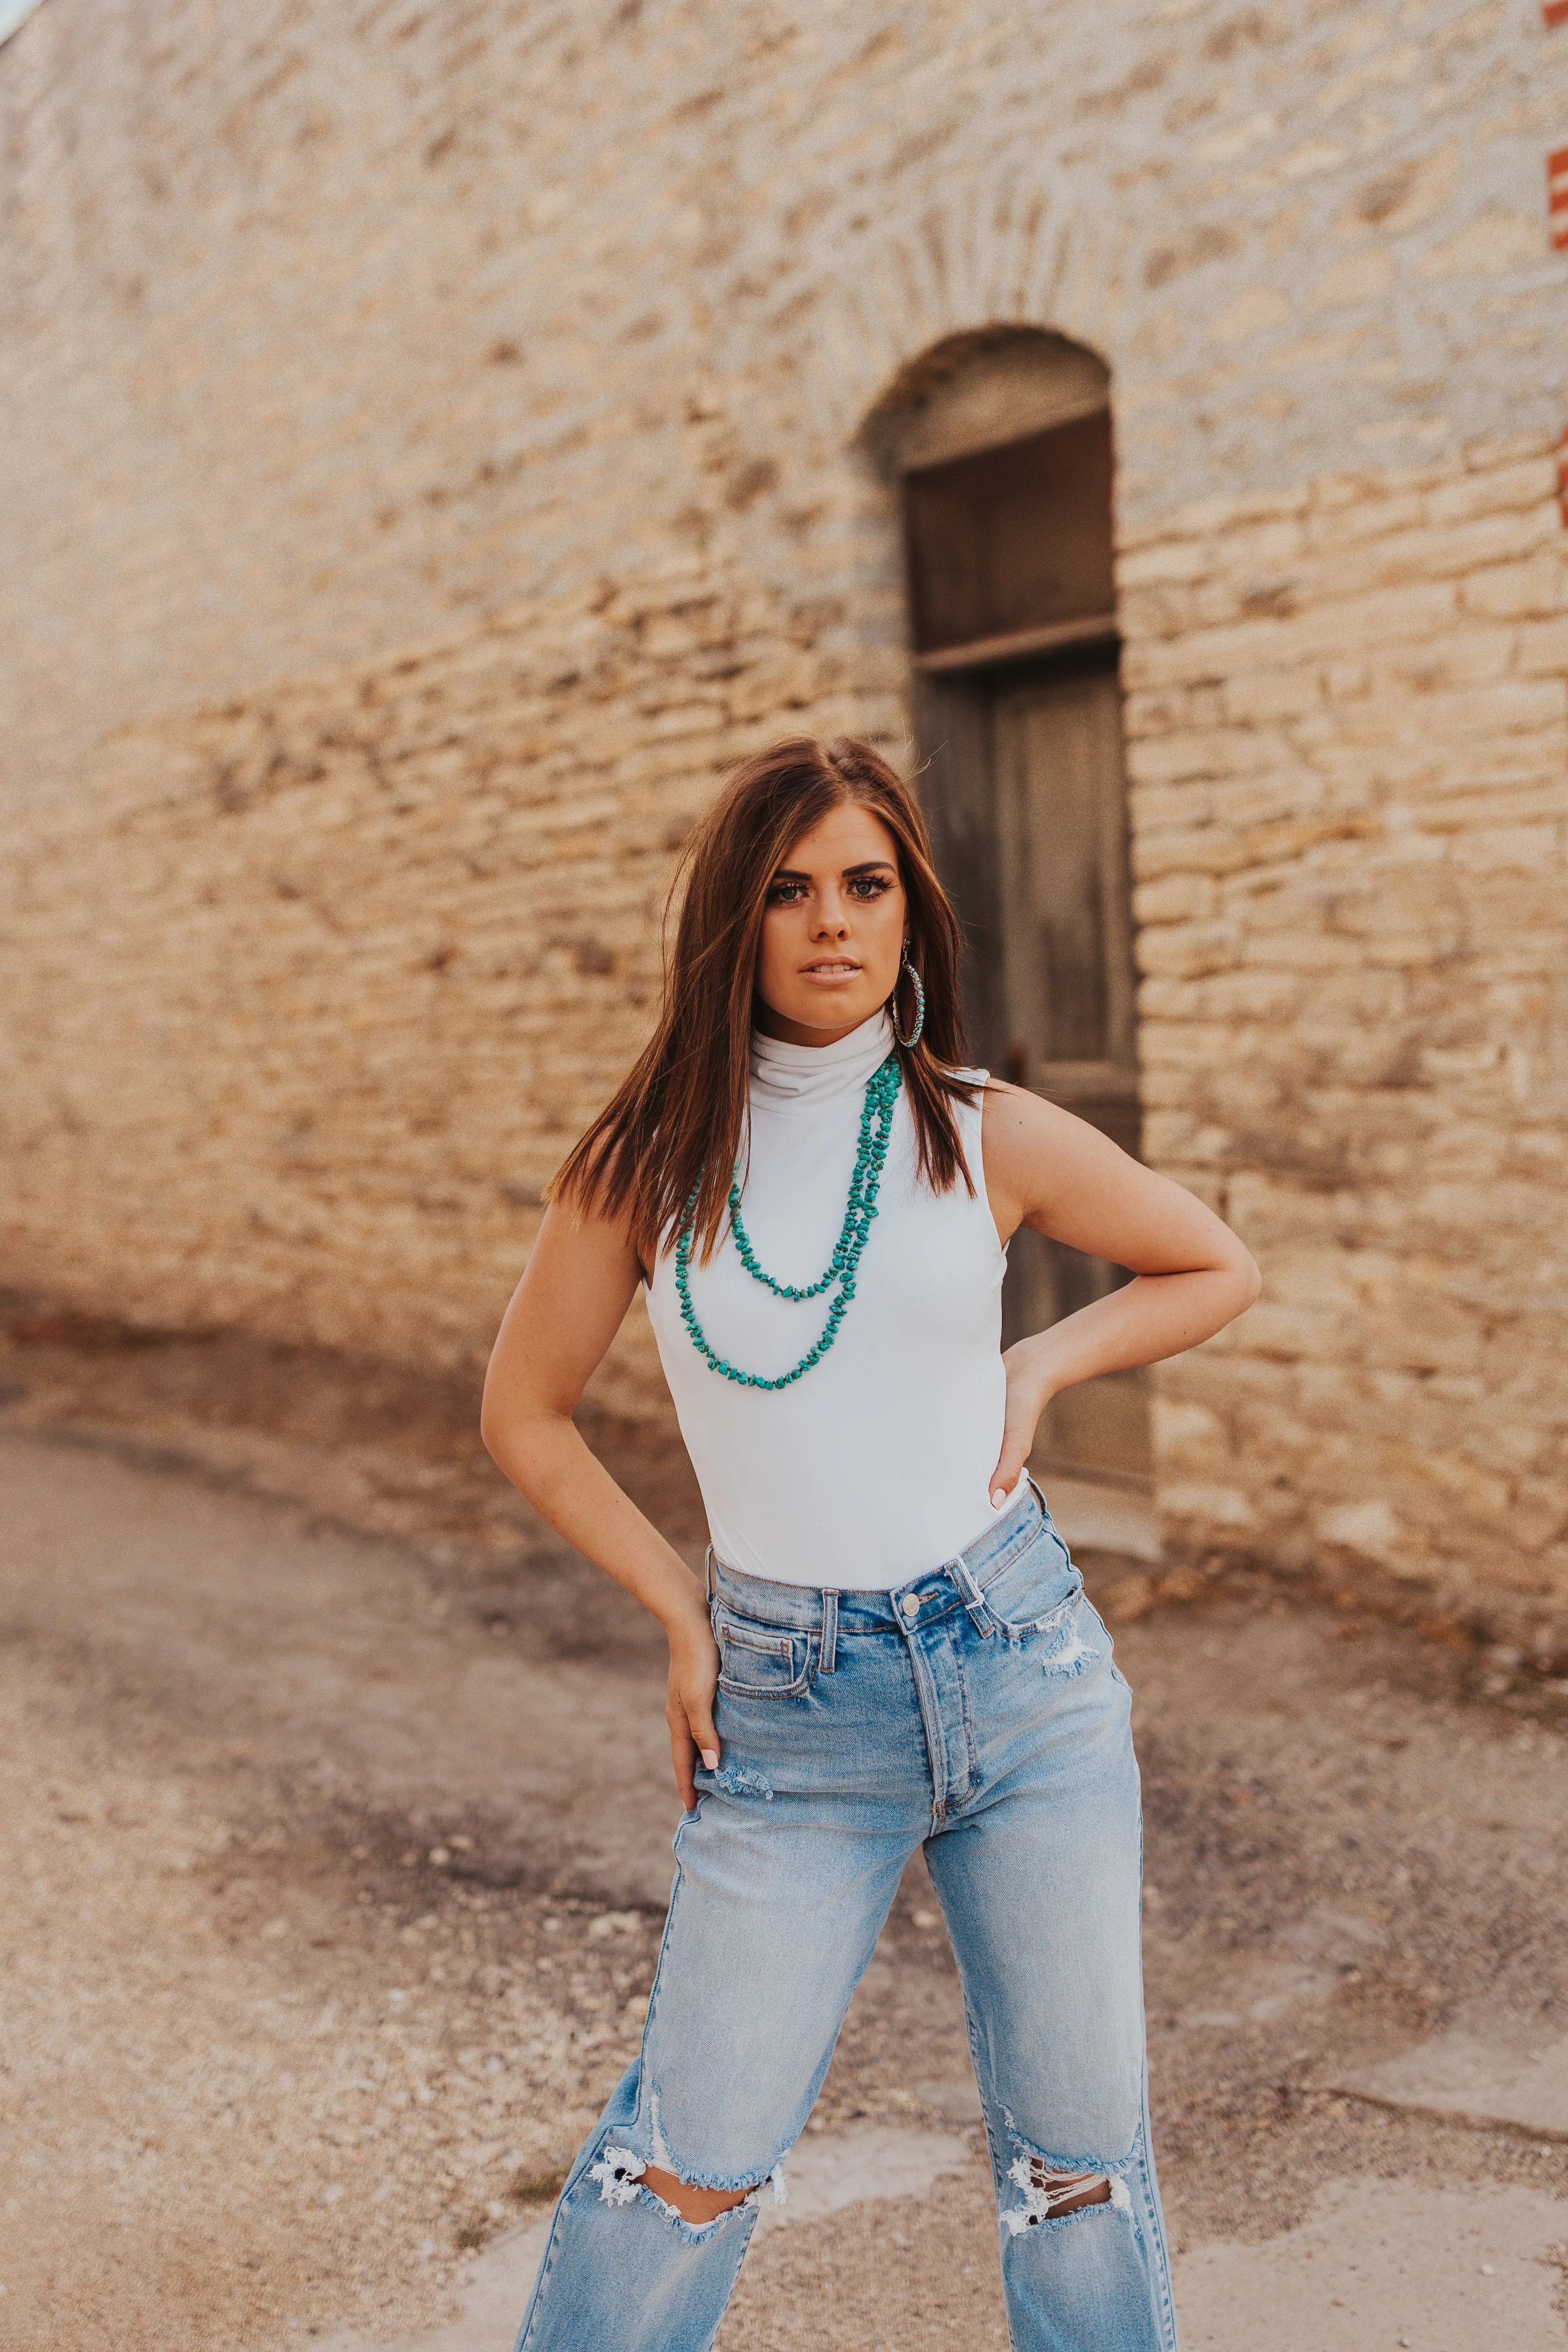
(913, 1039)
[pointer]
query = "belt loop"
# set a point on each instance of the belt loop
(829, 1659)
(974, 1599)
(707, 1574)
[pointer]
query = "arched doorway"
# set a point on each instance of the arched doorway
(1000, 445)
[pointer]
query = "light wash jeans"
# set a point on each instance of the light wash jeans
(976, 1711)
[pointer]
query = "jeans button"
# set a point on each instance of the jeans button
(910, 1604)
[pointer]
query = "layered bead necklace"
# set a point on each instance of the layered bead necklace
(876, 1128)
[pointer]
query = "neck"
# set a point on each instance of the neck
(836, 1064)
(796, 1032)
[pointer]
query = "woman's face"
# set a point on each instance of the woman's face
(833, 930)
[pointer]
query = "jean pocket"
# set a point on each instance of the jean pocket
(1032, 1591)
(761, 1661)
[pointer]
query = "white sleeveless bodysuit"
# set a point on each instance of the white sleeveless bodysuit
(875, 1466)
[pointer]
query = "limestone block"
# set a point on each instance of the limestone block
(1358, 278)
(1533, 849)
(1538, 1512)
(1176, 897)
(1301, 951)
(1255, 697)
(1189, 1433)
(1188, 1044)
(1540, 647)
(1288, 1333)
(1188, 948)
(1147, 615)
(1213, 751)
(1163, 1090)
(1222, 1510)
(1172, 709)
(1534, 589)
(1160, 562)
(1526, 486)
(1229, 996)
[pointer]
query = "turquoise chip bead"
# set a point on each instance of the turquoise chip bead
(876, 1130)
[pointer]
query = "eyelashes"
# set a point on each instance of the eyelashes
(866, 887)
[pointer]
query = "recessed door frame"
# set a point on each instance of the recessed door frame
(1101, 1430)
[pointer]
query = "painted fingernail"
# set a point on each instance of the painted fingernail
(711, 1758)
(997, 1499)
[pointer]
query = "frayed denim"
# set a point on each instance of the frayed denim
(976, 1711)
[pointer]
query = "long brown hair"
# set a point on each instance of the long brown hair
(667, 1143)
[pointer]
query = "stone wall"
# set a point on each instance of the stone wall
(433, 435)
(335, 326)
(309, 998)
(1350, 762)
(325, 982)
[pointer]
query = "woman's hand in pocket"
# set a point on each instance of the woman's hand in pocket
(688, 1708)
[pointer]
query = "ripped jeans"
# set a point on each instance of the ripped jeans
(975, 1710)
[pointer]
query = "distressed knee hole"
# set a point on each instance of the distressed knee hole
(695, 2205)
(1051, 2193)
(621, 2176)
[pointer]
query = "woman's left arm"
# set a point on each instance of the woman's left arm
(1049, 1170)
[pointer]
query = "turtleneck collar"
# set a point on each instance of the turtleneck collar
(784, 1075)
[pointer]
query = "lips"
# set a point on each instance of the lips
(837, 969)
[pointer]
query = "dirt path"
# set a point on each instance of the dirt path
(336, 1864)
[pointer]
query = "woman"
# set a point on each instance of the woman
(893, 1648)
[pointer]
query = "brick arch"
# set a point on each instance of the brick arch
(1003, 255)
(989, 384)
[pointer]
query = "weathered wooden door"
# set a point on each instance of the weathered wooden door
(1065, 1000)
(1019, 714)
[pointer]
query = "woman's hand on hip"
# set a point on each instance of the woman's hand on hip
(1028, 1393)
(1061, 1177)
(688, 1708)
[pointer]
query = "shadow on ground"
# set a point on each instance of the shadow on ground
(336, 1819)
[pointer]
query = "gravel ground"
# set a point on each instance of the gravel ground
(336, 1829)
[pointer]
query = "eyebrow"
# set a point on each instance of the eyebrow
(871, 865)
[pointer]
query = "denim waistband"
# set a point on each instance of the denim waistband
(954, 1585)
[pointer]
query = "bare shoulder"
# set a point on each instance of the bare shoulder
(1046, 1167)
(1016, 1125)
(1006, 1108)
(580, 1278)
(1030, 1146)
(576, 1232)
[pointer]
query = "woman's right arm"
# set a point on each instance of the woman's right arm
(571, 1302)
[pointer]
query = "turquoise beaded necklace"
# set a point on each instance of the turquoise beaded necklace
(876, 1128)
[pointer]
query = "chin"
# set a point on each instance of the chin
(835, 1014)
